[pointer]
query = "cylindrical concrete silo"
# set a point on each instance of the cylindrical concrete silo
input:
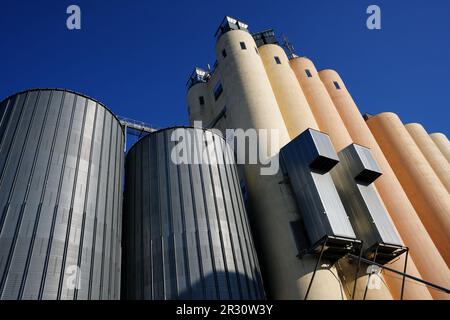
(251, 104)
(198, 98)
(320, 102)
(290, 97)
(442, 143)
(186, 234)
(431, 152)
(421, 184)
(411, 229)
(60, 197)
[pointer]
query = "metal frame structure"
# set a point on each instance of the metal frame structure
(136, 128)
(353, 245)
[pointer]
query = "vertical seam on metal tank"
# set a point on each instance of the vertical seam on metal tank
(186, 251)
(106, 209)
(74, 190)
(231, 187)
(8, 153)
(44, 188)
(13, 187)
(194, 211)
(152, 289)
(94, 234)
(227, 216)
(55, 210)
(111, 245)
(86, 195)
(5, 114)
(8, 201)
(132, 232)
(117, 242)
(120, 219)
(3, 138)
(218, 223)
(169, 204)
(211, 247)
(141, 218)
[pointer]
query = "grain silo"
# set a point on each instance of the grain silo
(61, 155)
(186, 233)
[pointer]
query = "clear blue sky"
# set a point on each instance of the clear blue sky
(136, 55)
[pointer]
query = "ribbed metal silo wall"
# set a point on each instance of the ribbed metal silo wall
(61, 155)
(186, 234)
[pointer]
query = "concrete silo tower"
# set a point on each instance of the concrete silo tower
(424, 189)
(244, 99)
(403, 214)
(431, 152)
(442, 143)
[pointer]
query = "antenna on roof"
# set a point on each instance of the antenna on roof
(289, 47)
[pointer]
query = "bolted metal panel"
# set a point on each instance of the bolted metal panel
(307, 160)
(186, 234)
(60, 197)
(353, 177)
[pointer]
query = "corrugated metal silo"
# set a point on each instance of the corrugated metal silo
(186, 234)
(60, 197)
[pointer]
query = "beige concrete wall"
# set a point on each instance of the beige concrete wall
(403, 214)
(197, 111)
(424, 189)
(431, 152)
(442, 143)
(290, 97)
(251, 103)
(320, 102)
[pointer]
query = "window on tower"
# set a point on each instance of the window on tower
(277, 60)
(218, 89)
(224, 53)
(336, 84)
(308, 73)
(243, 46)
(201, 100)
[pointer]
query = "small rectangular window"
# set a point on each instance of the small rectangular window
(277, 60)
(201, 99)
(224, 53)
(308, 73)
(243, 46)
(218, 90)
(336, 84)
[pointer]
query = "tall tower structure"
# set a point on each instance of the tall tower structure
(255, 85)
(244, 99)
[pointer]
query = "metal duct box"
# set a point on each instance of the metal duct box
(307, 161)
(353, 177)
(364, 167)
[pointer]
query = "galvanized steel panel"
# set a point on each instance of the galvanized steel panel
(186, 233)
(53, 144)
